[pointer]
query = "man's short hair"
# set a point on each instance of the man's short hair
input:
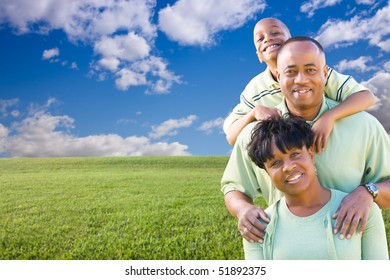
(287, 133)
(302, 39)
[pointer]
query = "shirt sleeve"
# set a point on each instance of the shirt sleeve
(377, 165)
(246, 104)
(374, 242)
(242, 174)
(253, 250)
(239, 173)
(339, 87)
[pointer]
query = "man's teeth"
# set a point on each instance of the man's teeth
(302, 90)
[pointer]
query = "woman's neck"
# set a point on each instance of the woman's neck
(308, 203)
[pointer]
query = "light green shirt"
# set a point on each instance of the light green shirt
(357, 152)
(289, 237)
(264, 90)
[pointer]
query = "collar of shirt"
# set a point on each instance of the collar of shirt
(269, 80)
(326, 105)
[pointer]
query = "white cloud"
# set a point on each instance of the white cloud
(121, 33)
(196, 22)
(209, 126)
(385, 45)
(359, 64)
(386, 66)
(152, 71)
(129, 78)
(6, 104)
(129, 47)
(110, 63)
(379, 85)
(3, 138)
(375, 29)
(48, 54)
(311, 6)
(80, 19)
(365, 2)
(3, 132)
(171, 126)
(43, 135)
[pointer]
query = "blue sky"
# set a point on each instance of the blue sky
(143, 77)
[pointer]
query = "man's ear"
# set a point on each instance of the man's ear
(277, 75)
(326, 71)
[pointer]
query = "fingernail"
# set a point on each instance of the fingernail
(261, 241)
(335, 231)
(341, 236)
(349, 236)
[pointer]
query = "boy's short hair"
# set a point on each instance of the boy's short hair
(287, 133)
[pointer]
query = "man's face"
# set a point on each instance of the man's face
(302, 74)
(269, 34)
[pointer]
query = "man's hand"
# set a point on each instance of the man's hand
(354, 208)
(248, 215)
(249, 225)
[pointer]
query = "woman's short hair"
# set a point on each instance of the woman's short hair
(287, 133)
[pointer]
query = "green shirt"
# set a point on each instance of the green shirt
(289, 237)
(264, 90)
(357, 152)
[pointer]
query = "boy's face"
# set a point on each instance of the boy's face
(269, 34)
(292, 172)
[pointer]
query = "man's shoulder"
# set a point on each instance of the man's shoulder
(363, 116)
(246, 134)
(363, 119)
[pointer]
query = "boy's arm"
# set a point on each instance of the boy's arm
(354, 103)
(235, 128)
(258, 113)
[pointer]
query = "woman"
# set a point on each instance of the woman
(300, 223)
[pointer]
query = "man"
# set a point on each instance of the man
(355, 157)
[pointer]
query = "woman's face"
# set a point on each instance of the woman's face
(293, 172)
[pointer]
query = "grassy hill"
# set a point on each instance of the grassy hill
(166, 208)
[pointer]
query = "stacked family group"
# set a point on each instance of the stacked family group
(303, 142)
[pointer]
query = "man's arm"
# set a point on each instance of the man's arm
(241, 206)
(355, 207)
(383, 199)
(374, 243)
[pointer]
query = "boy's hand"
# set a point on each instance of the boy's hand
(261, 112)
(322, 129)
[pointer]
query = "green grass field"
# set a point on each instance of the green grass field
(166, 208)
